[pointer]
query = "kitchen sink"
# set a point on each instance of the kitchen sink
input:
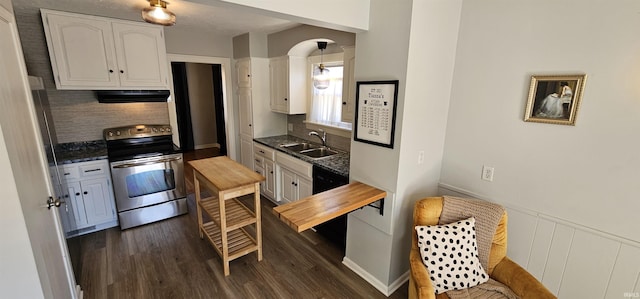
(299, 146)
(317, 153)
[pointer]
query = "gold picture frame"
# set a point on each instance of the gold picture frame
(554, 99)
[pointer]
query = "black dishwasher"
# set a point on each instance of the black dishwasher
(334, 230)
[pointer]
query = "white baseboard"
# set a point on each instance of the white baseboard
(209, 145)
(79, 292)
(387, 290)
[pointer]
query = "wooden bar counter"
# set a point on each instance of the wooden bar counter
(319, 208)
(225, 180)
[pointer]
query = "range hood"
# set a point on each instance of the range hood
(131, 96)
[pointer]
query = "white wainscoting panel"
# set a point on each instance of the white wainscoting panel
(625, 276)
(557, 259)
(571, 260)
(519, 251)
(589, 266)
(540, 248)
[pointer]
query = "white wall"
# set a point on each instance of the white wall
(197, 43)
(418, 49)
(586, 174)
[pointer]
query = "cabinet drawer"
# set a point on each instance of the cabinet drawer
(94, 169)
(294, 164)
(264, 151)
(258, 161)
(70, 172)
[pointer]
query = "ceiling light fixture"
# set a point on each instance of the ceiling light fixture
(320, 73)
(157, 13)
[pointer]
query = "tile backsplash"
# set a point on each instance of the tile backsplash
(300, 130)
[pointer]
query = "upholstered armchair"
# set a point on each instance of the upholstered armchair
(427, 212)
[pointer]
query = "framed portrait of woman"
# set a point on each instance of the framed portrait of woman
(554, 99)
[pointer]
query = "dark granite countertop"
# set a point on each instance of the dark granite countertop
(338, 163)
(75, 152)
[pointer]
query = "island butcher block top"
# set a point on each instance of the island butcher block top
(224, 173)
(319, 208)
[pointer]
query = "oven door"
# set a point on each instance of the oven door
(147, 181)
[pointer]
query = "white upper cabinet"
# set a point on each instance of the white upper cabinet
(141, 55)
(244, 73)
(348, 84)
(89, 52)
(289, 79)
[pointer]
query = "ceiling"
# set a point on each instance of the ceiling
(190, 16)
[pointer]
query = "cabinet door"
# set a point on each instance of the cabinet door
(279, 84)
(246, 151)
(66, 209)
(288, 181)
(305, 188)
(97, 201)
(141, 55)
(259, 170)
(243, 71)
(245, 111)
(348, 84)
(270, 179)
(77, 204)
(81, 51)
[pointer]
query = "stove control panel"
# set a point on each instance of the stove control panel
(136, 131)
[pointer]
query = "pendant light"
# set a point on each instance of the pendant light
(157, 13)
(320, 73)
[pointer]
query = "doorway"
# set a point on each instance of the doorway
(220, 70)
(198, 95)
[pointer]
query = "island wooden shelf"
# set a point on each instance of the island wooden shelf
(322, 207)
(226, 180)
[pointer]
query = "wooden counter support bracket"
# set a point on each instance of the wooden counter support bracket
(322, 207)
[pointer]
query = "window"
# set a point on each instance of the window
(326, 104)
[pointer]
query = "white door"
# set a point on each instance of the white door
(270, 179)
(82, 51)
(305, 188)
(141, 55)
(288, 181)
(36, 265)
(245, 111)
(243, 71)
(246, 151)
(97, 200)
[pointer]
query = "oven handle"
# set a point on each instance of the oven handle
(147, 163)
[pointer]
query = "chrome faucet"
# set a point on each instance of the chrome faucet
(323, 137)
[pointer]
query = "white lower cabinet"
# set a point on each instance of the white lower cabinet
(263, 163)
(294, 187)
(246, 151)
(294, 178)
(89, 197)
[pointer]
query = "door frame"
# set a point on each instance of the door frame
(227, 97)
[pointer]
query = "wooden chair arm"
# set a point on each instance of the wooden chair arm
(420, 286)
(520, 281)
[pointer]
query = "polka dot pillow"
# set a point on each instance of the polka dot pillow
(451, 255)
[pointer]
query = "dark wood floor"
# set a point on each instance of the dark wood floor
(167, 259)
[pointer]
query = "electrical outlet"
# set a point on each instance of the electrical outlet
(420, 157)
(487, 173)
(290, 127)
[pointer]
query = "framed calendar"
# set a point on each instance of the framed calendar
(376, 103)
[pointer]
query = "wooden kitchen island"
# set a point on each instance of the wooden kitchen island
(225, 180)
